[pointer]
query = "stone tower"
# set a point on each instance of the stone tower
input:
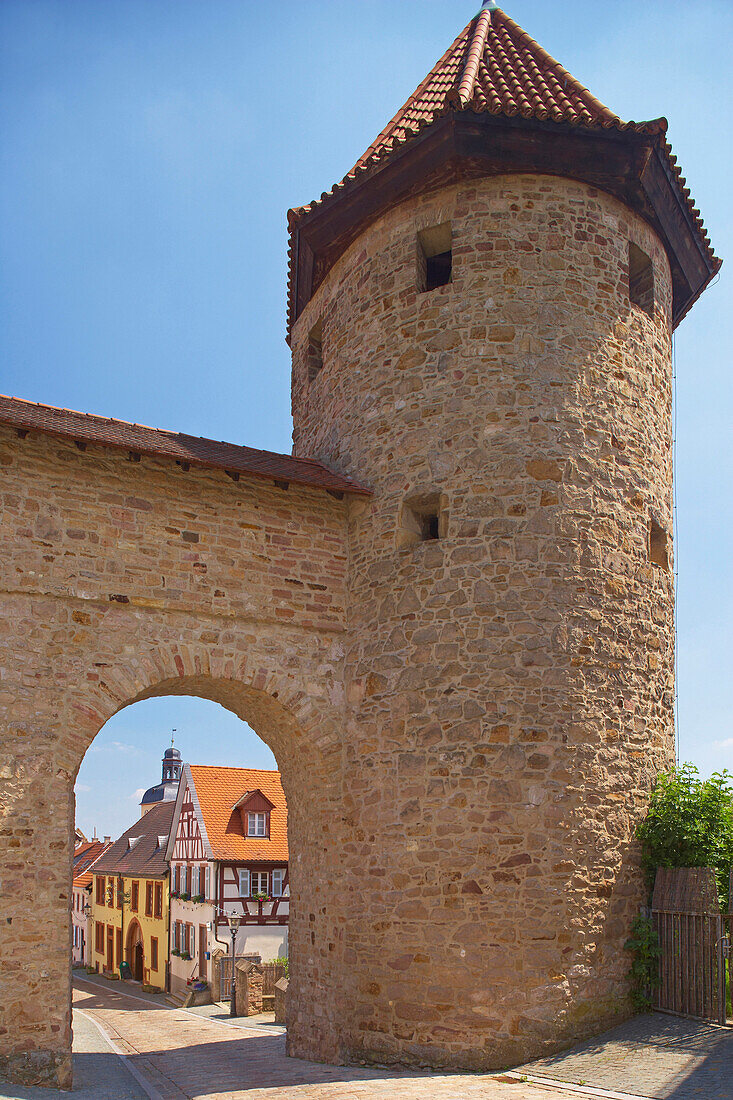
(480, 319)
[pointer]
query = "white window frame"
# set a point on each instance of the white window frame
(258, 877)
(244, 882)
(194, 880)
(278, 882)
(207, 887)
(184, 879)
(257, 824)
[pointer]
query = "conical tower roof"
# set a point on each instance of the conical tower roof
(530, 115)
(496, 67)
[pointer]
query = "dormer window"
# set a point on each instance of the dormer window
(257, 824)
(254, 809)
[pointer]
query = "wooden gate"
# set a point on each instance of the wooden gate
(694, 938)
(271, 973)
(226, 973)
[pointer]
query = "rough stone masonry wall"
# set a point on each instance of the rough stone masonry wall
(122, 580)
(510, 685)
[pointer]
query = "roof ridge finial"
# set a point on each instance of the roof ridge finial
(489, 5)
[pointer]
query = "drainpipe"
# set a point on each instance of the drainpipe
(216, 910)
(168, 934)
(122, 918)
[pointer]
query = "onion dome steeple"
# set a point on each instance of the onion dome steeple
(167, 789)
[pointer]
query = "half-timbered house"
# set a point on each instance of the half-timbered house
(228, 853)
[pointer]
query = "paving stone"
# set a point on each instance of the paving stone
(652, 1056)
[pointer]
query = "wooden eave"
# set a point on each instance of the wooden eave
(632, 166)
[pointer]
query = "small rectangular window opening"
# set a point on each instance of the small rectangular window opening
(658, 553)
(424, 518)
(641, 280)
(434, 257)
(314, 354)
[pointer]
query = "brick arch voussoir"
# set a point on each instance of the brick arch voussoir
(270, 696)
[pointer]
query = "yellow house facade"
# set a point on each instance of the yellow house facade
(131, 902)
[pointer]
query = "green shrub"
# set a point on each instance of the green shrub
(690, 824)
(282, 960)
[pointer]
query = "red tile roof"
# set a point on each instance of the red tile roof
(184, 449)
(146, 857)
(495, 67)
(218, 790)
(85, 856)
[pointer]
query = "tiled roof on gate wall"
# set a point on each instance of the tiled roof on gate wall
(146, 857)
(184, 449)
(218, 791)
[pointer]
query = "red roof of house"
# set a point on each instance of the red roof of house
(85, 856)
(219, 790)
(184, 449)
(141, 849)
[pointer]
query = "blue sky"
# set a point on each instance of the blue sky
(151, 149)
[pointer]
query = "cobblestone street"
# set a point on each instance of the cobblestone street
(186, 1054)
(129, 1045)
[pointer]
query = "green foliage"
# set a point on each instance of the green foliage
(643, 943)
(282, 960)
(690, 824)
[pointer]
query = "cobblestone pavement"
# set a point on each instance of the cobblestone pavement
(198, 1054)
(183, 1054)
(664, 1057)
(98, 1071)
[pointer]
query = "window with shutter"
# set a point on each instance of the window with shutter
(207, 890)
(153, 953)
(159, 899)
(278, 876)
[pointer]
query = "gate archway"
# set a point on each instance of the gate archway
(138, 579)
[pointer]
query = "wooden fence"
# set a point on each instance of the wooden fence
(271, 973)
(694, 938)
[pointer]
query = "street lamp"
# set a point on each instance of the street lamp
(233, 928)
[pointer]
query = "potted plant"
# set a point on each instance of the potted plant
(185, 956)
(264, 904)
(185, 897)
(198, 897)
(175, 951)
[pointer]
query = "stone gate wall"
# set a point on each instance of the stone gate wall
(122, 580)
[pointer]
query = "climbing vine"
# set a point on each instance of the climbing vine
(643, 943)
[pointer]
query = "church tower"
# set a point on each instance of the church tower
(167, 789)
(481, 315)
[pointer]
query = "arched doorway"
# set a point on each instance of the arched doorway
(135, 951)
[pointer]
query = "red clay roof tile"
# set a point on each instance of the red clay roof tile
(193, 450)
(495, 67)
(218, 790)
